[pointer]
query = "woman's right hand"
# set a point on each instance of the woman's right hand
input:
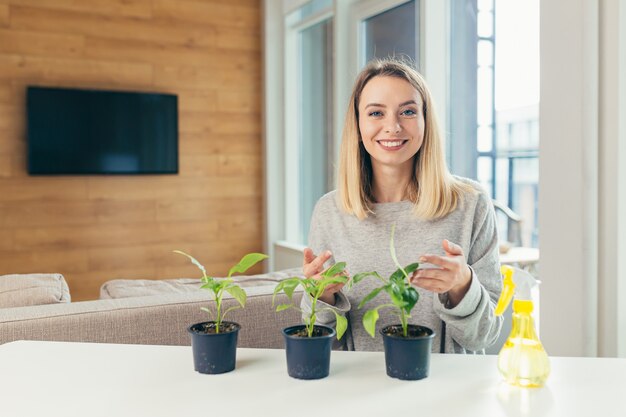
(313, 266)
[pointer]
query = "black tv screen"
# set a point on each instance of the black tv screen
(73, 131)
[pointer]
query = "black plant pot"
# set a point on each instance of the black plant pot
(214, 353)
(408, 358)
(308, 357)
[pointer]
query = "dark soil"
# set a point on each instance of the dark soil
(413, 332)
(317, 332)
(210, 328)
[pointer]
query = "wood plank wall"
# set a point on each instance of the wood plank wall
(96, 228)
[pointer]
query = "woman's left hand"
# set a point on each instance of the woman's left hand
(454, 275)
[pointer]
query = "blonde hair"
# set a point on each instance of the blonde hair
(432, 189)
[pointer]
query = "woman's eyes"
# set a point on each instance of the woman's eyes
(407, 113)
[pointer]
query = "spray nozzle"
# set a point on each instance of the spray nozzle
(519, 283)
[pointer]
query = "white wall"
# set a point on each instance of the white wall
(612, 181)
(581, 178)
(621, 186)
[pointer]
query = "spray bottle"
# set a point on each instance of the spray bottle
(522, 361)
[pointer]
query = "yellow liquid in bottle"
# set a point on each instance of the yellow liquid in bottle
(523, 360)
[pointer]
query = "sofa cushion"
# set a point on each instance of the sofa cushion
(156, 320)
(21, 290)
(124, 288)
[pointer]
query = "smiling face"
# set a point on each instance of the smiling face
(391, 121)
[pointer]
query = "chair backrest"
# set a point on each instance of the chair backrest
(514, 222)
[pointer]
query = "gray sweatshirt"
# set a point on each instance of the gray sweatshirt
(470, 326)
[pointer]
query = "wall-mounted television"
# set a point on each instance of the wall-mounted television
(77, 131)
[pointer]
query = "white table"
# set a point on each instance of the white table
(81, 379)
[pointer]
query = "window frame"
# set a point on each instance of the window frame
(293, 118)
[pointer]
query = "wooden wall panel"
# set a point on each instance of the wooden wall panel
(132, 8)
(207, 12)
(4, 15)
(40, 44)
(96, 228)
(6, 91)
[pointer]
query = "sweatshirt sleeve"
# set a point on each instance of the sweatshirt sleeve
(319, 241)
(472, 323)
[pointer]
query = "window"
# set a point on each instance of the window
(517, 111)
(308, 113)
(463, 48)
(385, 29)
(493, 105)
(315, 117)
(391, 32)
(515, 145)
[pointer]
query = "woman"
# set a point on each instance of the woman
(393, 170)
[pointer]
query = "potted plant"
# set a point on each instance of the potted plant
(308, 345)
(214, 342)
(407, 346)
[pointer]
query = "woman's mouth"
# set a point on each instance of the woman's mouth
(392, 144)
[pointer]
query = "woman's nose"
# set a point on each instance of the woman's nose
(393, 125)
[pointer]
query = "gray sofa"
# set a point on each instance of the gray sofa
(136, 318)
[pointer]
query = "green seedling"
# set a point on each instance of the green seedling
(217, 286)
(403, 296)
(314, 288)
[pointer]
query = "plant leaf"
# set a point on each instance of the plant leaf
(246, 262)
(396, 295)
(211, 285)
(332, 280)
(410, 297)
(361, 276)
(193, 261)
(409, 269)
(371, 295)
(291, 286)
(369, 321)
(397, 276)
(235, 307)
(371, 317)
(309, 284)
(278, 288)
(209, 312)
(319, 286)
(335, 269)
(342, 324)
(223, 283)
(283, 307)
(238, 293)
(358, 278)
(287, 286)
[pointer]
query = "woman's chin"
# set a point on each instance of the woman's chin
(393, 161)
